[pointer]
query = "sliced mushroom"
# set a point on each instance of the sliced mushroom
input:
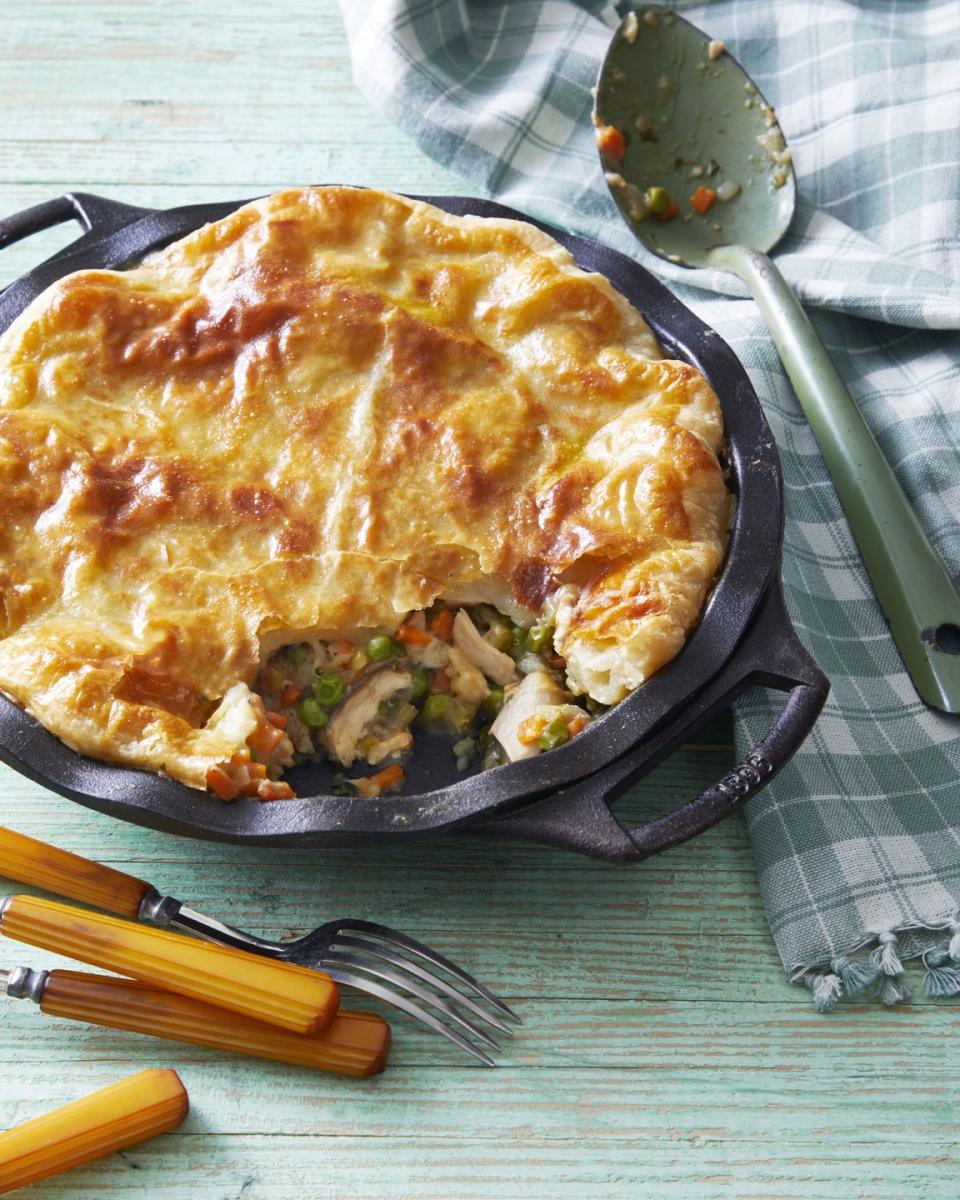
(492, 662)
(359, 709)
(537, 689)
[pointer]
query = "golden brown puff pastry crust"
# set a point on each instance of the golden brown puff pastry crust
(319, 413)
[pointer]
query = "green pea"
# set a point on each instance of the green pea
(299, 653)
(435, 707)
(539, 638)
(554, 735)
(421, 683)
(380, 648)
(518, 641)
(311, 713)
(328, 690)
(657, 200)
(493, 701)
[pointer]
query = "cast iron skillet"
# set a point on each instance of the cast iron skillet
(563, 798)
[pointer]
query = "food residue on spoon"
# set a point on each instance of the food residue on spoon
(611, 142)
(728, 190)
(631, 27)
(644, 126)
(715, 49)
(633, 197)
(773, 145)
(703, 199)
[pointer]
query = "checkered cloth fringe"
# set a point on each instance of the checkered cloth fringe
(857, 842)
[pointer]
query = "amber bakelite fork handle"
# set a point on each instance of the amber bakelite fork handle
(30, 861)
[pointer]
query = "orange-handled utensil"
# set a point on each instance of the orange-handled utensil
(277, 993)
(123, 1114)
(354, 1043)
(69, 875)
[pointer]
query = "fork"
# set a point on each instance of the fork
(360, 954)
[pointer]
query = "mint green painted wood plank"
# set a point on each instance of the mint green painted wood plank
(610, 1107)
(664, 1054)
(591, 1039)
(371, 1168)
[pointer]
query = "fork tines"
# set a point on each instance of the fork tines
(384, 963)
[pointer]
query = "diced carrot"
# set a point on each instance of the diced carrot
(263, 739)
(703, 199)
(389, 779)
(411, 636)
(220, 783)
(670, 212)
(250, 788)
(256, 771)
(440, 681)
(529, 730)
(242, 756)
(611, 141)
(442, 625)
(577, 725)
(289, 695)
(344, 647)
(277, 720)
(275, 789)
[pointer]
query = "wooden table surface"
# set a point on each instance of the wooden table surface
(663, 1053)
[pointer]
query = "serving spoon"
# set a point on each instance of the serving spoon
(676, 113)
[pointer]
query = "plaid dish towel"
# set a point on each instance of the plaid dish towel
(857, 842)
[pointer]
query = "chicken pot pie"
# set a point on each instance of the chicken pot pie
(335, 466)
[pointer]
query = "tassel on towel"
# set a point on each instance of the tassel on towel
(826, 989)
(942, 977)
(850, 977)
(891, 989)
(855, 976)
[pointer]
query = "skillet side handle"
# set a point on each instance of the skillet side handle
(94, 214)
(748, 777)
(41, 216)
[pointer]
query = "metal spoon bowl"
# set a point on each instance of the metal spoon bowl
(700, 120)
(691, 117)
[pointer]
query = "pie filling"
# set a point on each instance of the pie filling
(466, 671)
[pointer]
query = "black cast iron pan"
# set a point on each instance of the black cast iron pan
(563, 798)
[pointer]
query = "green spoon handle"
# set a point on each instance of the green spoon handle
(911, 583)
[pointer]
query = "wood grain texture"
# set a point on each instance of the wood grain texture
(663, 1055)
